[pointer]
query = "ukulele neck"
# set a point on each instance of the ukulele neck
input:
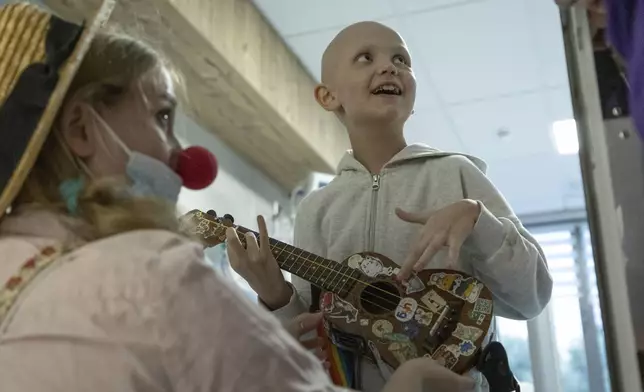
(326, 274)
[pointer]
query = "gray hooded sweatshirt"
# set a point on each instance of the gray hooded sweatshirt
(356, 213)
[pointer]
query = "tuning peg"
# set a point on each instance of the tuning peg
(212, 213)
(230, 218)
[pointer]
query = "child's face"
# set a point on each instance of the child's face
(367, 56)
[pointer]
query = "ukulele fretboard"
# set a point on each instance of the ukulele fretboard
(327, 274)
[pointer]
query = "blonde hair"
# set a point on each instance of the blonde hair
(112, 66)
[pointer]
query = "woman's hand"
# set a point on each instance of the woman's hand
(302, 325)
(257, 265)
(426, 375)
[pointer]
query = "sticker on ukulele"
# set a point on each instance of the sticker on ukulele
(433, 301)
(483, 305)
(327, 326)
(466, 348)
(364, 322)
(382, 327)
(335, 307)
(204, 229)
(411, 328)
(370, 266)
(327, 302)
(465, 332)
(468, 289)
(403, 351)
(423, 317)
(395, 337)
(445, 357)
(406, 309)
(413, 285)
(445, 282)
(477, 317)
(454, 349)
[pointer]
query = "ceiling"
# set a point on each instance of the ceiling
(483, 67)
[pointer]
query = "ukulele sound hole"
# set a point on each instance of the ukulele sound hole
(379, 298)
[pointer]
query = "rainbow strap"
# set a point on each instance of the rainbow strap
(341, 362)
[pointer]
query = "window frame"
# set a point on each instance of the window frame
(542, 342)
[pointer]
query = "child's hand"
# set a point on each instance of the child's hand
(257, 265)
(449, 226)
(302, 325)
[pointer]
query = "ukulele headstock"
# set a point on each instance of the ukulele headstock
(207, 226)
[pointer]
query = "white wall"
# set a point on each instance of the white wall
(240, 189)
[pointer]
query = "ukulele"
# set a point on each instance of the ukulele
(440, 313)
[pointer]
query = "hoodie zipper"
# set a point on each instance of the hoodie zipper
(375, 187)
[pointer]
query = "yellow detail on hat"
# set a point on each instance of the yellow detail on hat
(24, 29)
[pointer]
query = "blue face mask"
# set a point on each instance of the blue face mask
(152, 178)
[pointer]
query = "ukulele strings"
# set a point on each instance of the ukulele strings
(338, 273)
(243, 230)
(242, 238)
(356, 280)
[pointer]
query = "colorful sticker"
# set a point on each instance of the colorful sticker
(433, 301)
(411, 329)
(423, 317)
(413, 285)
(403, 351)
(406, 309)
(445, 357)
(382, 327)
(469, 289)
(465, 332)
(396, 337)
(327, 326)
(483, 305)
(445, 282)
(466, 348)
(364, 322)
(454, 349)
(335, 307)
(369, 265)
(477, 317)
(327, 302)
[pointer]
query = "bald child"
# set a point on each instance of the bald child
(419, 206)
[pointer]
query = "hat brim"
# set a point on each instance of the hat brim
(43, 128)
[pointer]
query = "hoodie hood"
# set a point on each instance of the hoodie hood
(409, 153)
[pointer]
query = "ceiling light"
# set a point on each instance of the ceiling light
(565, 134)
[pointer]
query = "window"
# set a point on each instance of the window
(514, 336)
(568, 339)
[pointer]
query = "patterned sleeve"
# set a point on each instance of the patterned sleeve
(217, 340)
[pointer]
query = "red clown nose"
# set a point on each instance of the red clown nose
(197, 167)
